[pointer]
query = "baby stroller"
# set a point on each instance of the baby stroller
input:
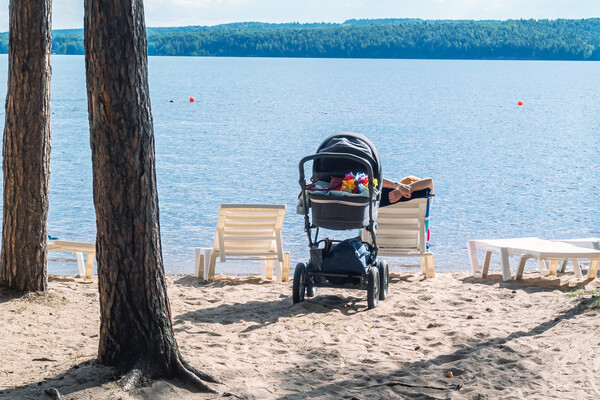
(350, 263)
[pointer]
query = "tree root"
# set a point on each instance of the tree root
(451, 388)
(133, 379)
(53, 393)
(139, 376)
(193, 376)
(202, 375)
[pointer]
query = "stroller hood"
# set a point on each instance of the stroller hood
(350, 143)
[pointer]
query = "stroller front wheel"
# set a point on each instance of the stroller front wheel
(299, 284)
(373, 287)
(384, 278)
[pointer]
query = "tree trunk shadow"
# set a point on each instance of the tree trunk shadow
(85, 375)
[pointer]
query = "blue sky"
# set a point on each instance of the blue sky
(69, 13)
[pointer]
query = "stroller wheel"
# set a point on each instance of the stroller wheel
(384, 279)
(311, 291)
(372, 288)
(299, 284)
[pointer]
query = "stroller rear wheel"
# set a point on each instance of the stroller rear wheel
(299, 284)
(384, 279)
(372, 287)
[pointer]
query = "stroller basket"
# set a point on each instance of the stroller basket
(336, 212)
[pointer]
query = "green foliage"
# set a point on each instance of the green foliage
(578, 293)
(382, 38)
(522, 39)
(67, 43)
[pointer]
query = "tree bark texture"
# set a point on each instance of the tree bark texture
(136, 332)
(26, 147)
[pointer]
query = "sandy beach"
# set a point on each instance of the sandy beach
(453, 336)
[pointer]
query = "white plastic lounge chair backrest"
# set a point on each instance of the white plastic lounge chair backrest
(249, 231)
(402, 228)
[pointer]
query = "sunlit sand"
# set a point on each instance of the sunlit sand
(453, 336)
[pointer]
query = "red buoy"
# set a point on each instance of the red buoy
(191, 99)
(519, 103)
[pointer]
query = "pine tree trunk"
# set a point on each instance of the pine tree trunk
(136, 334)
(26, 147)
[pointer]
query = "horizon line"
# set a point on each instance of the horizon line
(352, 19)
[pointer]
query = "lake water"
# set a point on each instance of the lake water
(500, 170)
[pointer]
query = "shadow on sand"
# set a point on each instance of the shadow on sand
(78, 378)
(425, 379)
(268, 312)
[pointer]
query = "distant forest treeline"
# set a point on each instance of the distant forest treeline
(561, 39)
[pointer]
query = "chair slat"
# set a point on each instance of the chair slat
(243, 223)
(397, 242)
(382, 221)
(253, 252)
(230, 247)
(393, 230)
(249, 238)
(249, 231)
(251, 216)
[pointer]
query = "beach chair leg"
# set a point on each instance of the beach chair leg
(269, 269)
(198, 263)
(521, 268)
(277, 269)
(211, 266)
(506, 275)
(473, 258)
(577, 269)
(553, 266)
(201, 262)
(285, 273)
(89, 265)
(543, 267)
(429, 269)
(593, 270)
(563, 267)
(263, 269)
(207, 255)
(80, 266)
(486, 264)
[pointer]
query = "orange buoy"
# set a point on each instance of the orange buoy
(520, 103)
(191, 99)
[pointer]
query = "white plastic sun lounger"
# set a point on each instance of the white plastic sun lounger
(543, 250)
(402, 232)
(78, 248)
(246, 232)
